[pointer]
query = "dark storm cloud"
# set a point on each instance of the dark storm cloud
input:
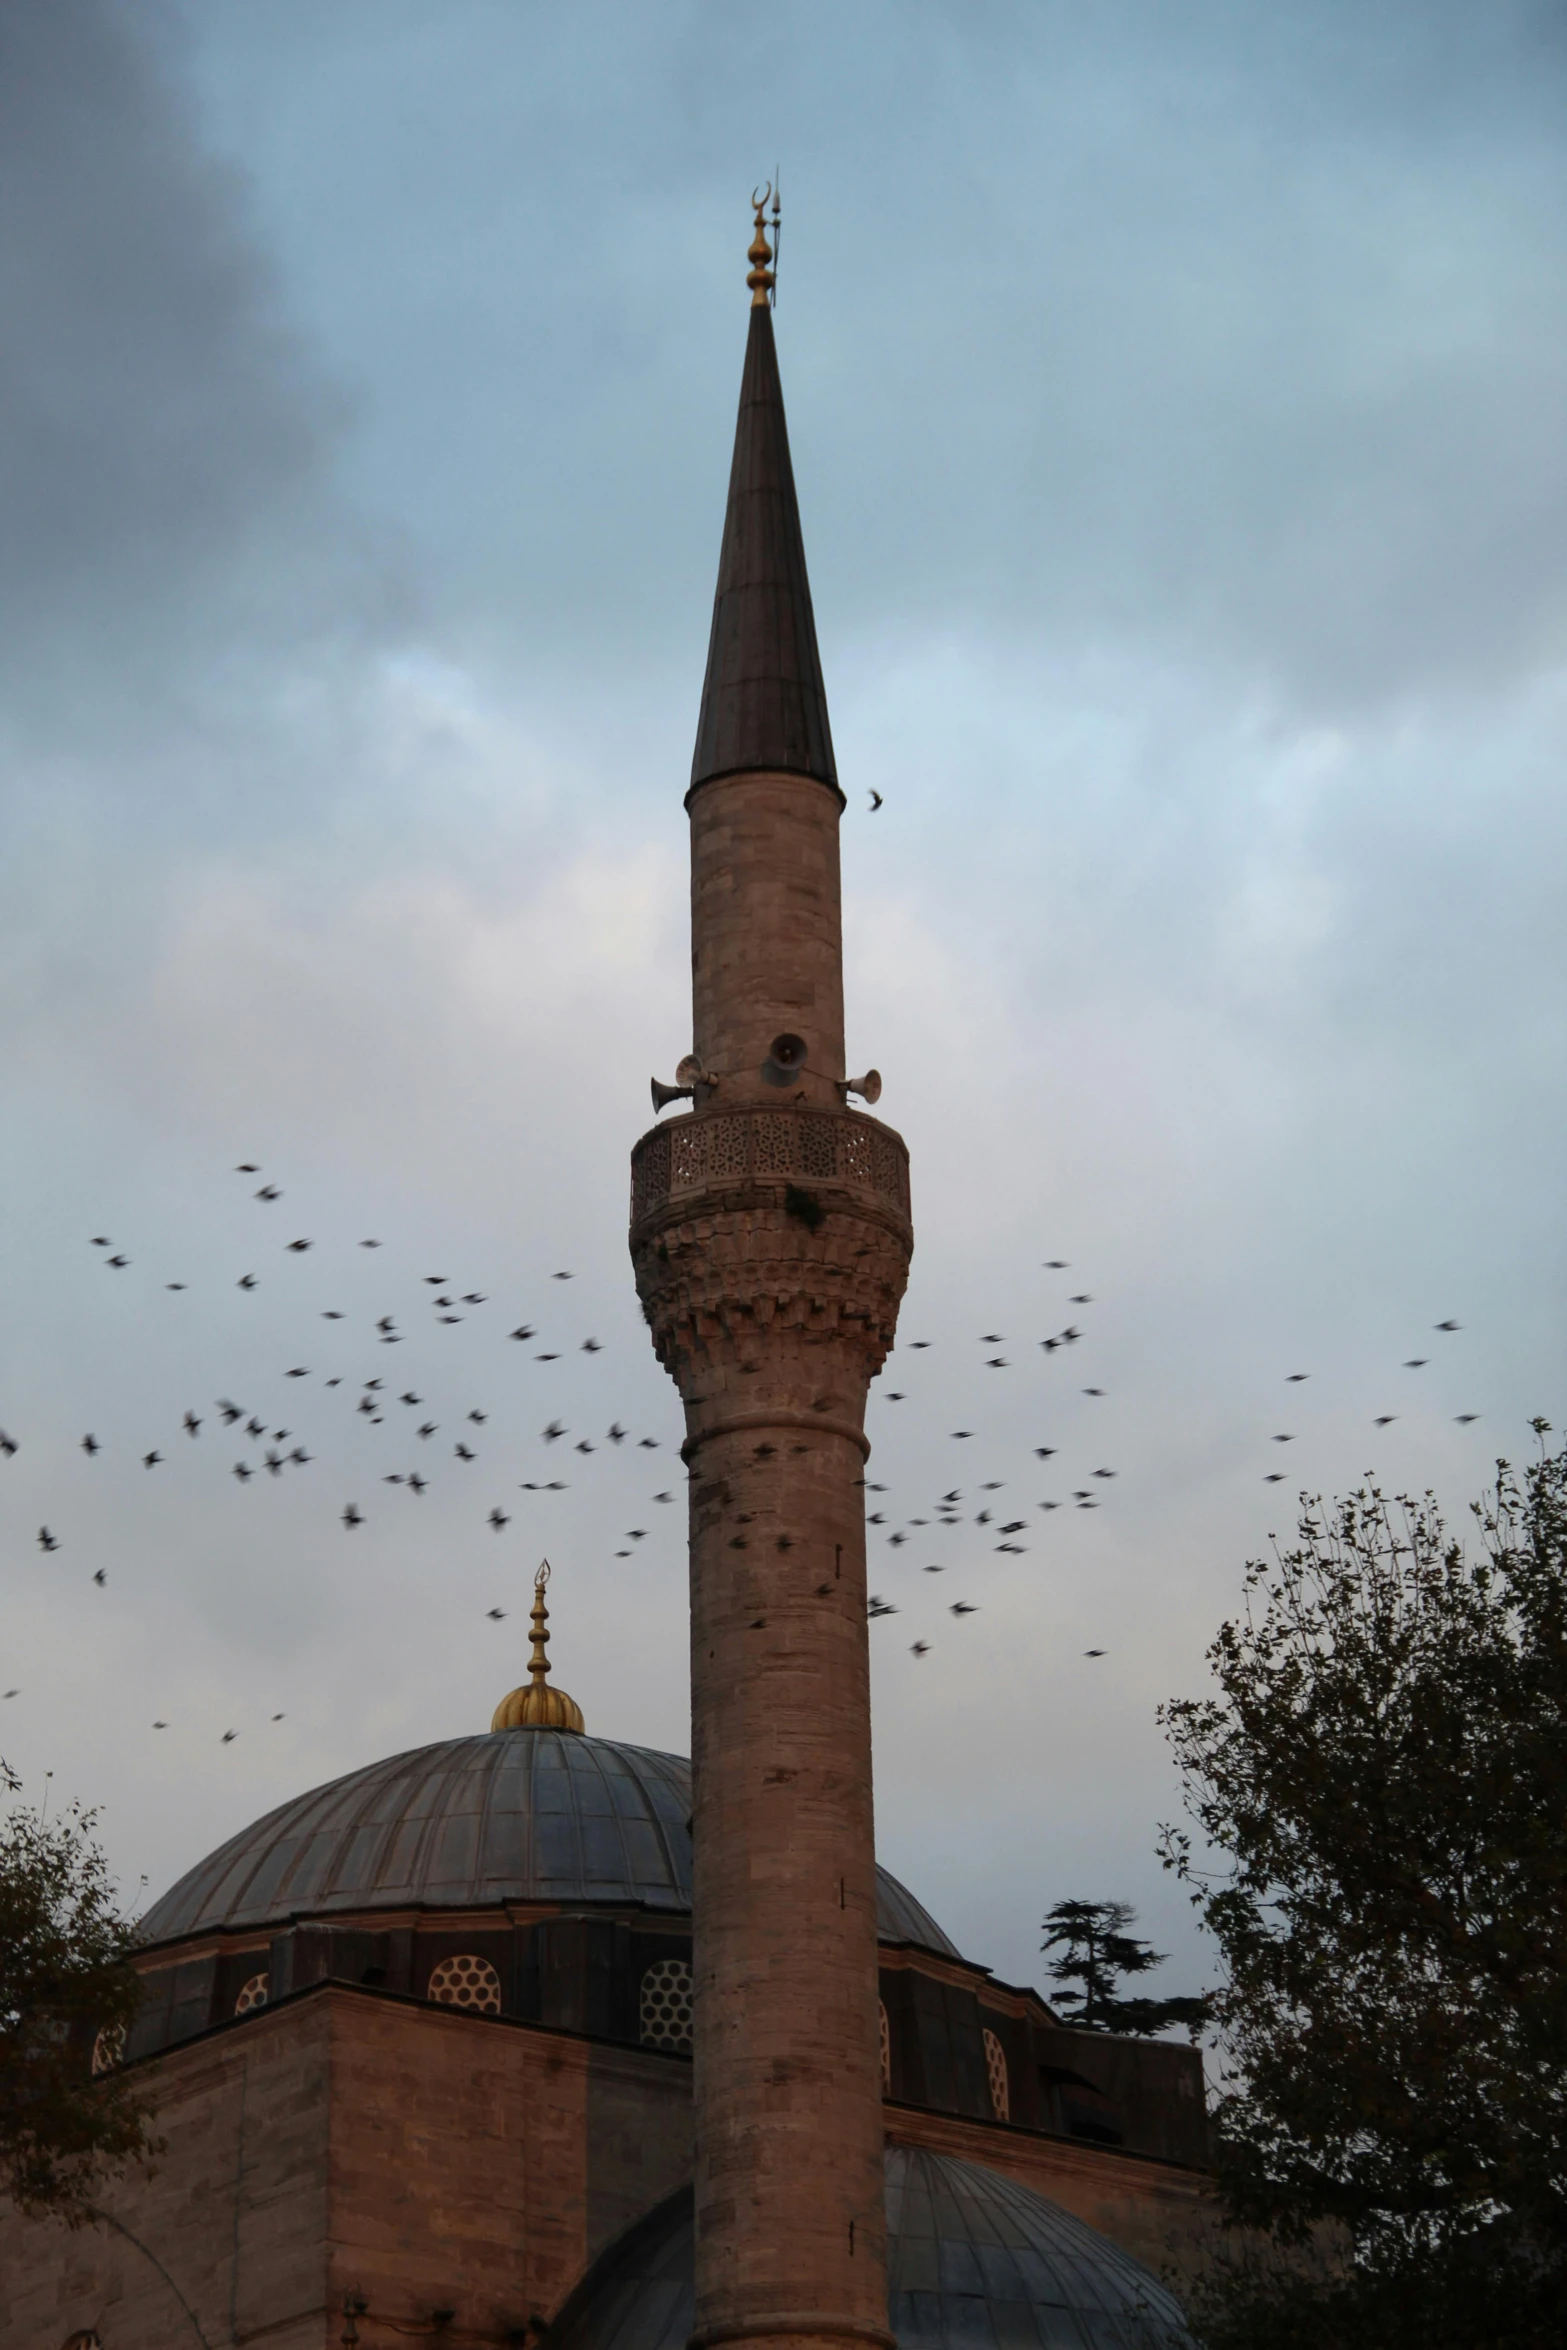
(161, 432)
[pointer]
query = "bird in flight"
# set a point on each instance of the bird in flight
(269, 1191)
(1295, 1377)
(299, 1246)
(228, 1737)
(523, 1330)
(463, 1454)
(1466, 1419)
(351, 1516)
(90, 1445)
(150, 1460)
(961, 1607)
(1056, 1265)
(919, 1648)
(562, 1276)
(46, 1540)
(1385, 1419)
(498, 1519)
(497, 1615)
(1417, 1362)
(246, 1281)
(101, 1576)
(119, 1263)
(191, 1424)
(1447, 1325)
(1093, 1652)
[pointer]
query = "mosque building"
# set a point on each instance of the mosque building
(535, 2037)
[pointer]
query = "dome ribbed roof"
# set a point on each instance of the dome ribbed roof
(515, 1815)
(974, 2262)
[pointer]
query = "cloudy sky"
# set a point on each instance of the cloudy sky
(1176, 401)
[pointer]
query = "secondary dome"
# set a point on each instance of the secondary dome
(973, 2259)
(538, 1815)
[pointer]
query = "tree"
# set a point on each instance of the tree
(1381, 1785)
(67, 1988)
(1098, 1952)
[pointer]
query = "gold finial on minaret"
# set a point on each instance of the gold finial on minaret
(761, 279)
(538, 1706)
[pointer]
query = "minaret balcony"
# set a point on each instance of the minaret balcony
(716, 1154)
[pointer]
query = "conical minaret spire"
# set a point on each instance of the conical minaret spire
(763, 702)
(771, 1238)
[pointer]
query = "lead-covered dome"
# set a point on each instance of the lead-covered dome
(974, 2262)
(525, 1816)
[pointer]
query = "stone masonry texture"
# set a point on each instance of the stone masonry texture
(773, 1303)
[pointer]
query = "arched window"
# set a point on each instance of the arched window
(252, 1995)
(108, 2048)
(465, 1981)
(996, 2066)
(666, 2005)
(885, 2030)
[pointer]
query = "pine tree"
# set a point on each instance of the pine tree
(1098, 1952)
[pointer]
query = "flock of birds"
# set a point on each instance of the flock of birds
(379, 1400)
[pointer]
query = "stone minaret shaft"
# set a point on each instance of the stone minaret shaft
(771, 1238)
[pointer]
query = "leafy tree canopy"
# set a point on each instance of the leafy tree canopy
(1379, 1790)
(1096, 1952)
(66, 1984)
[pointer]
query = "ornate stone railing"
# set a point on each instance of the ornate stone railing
(692, 1154)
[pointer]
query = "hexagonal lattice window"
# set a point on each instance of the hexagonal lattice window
(996, 2066)
(252, 1994)
(466, 1981)
(108, 2048)
(666, 2005)
(885, 2030)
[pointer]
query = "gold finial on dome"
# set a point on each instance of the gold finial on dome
(537, 1706)
(761, 279)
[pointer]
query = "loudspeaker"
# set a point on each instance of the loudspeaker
(785, 1060)
(867, 1087)
(663, 1094)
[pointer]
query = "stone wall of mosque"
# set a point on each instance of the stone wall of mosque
(353, 2145)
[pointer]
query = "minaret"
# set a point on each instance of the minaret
(771, 1237)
